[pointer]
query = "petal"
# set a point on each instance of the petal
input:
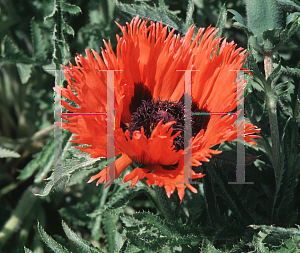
(158, 149)
(120, 165)
(170, 179)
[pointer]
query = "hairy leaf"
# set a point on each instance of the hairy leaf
(85, 246)
(157, 14)
(50, 242)
(4, 153)
(221, 21)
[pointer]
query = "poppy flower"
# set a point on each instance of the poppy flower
(149, 102)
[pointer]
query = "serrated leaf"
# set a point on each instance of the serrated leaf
(286, 34)
(62, 173)
(121, 198)
(85, 246)
(275, 73)
(291, 71)
(280, 230)
(9, 47)
(70, 8)
(39, 48)
(253, 66)
(12, 54)
(27, 250)
(271, 36)
(233, 201)
(221, 21)
(158, 243)
(295, 4)
(207, 246)
(189, 14)
(50, 242)
(258, 244)
(24, 71)
(61, 48)
(109, 226)
(5, 153)
(161, 4)
(129, 221)
(167, 229)
(28, 171)
(156, 14)
(77, 213)
(54, 10)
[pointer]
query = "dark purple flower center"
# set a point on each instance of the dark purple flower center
(148, 112)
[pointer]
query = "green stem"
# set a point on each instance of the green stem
(295, 126)
(21, 211)
(8, 188)
(271, 104)
(164, 204)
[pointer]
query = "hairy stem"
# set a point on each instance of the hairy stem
(164, 203)
(272, 110)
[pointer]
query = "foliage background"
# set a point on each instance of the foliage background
(35, 37)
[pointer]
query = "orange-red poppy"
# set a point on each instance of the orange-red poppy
(149, 108)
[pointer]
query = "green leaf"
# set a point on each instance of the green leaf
(291, 3)
(68, 29)
(292, 17)
(50, 242)
(70, 8)
(291, 71)
(232, 199)
(238, 17)
(286, 34)
(40, 159)
(130, 221)
(157, 243)
(258, 244)
(4, 153)
(24, 71)
(60, 47)
(275, 73)
(27, 250)
(54, 10)
(189, 14)
(12, 54)
(207, 246)
(279, 230)
(264, 19)
(110, 228)
(270, 38)
(39, 48)
(154, 13)
(169, 230)
(240, 22)
(253, 66)
(122, 197)
(221, 21)
(263, 15)
(85, 246)
(61, 175)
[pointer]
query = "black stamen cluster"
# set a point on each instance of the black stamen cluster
(151, 112)
(147, 112)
